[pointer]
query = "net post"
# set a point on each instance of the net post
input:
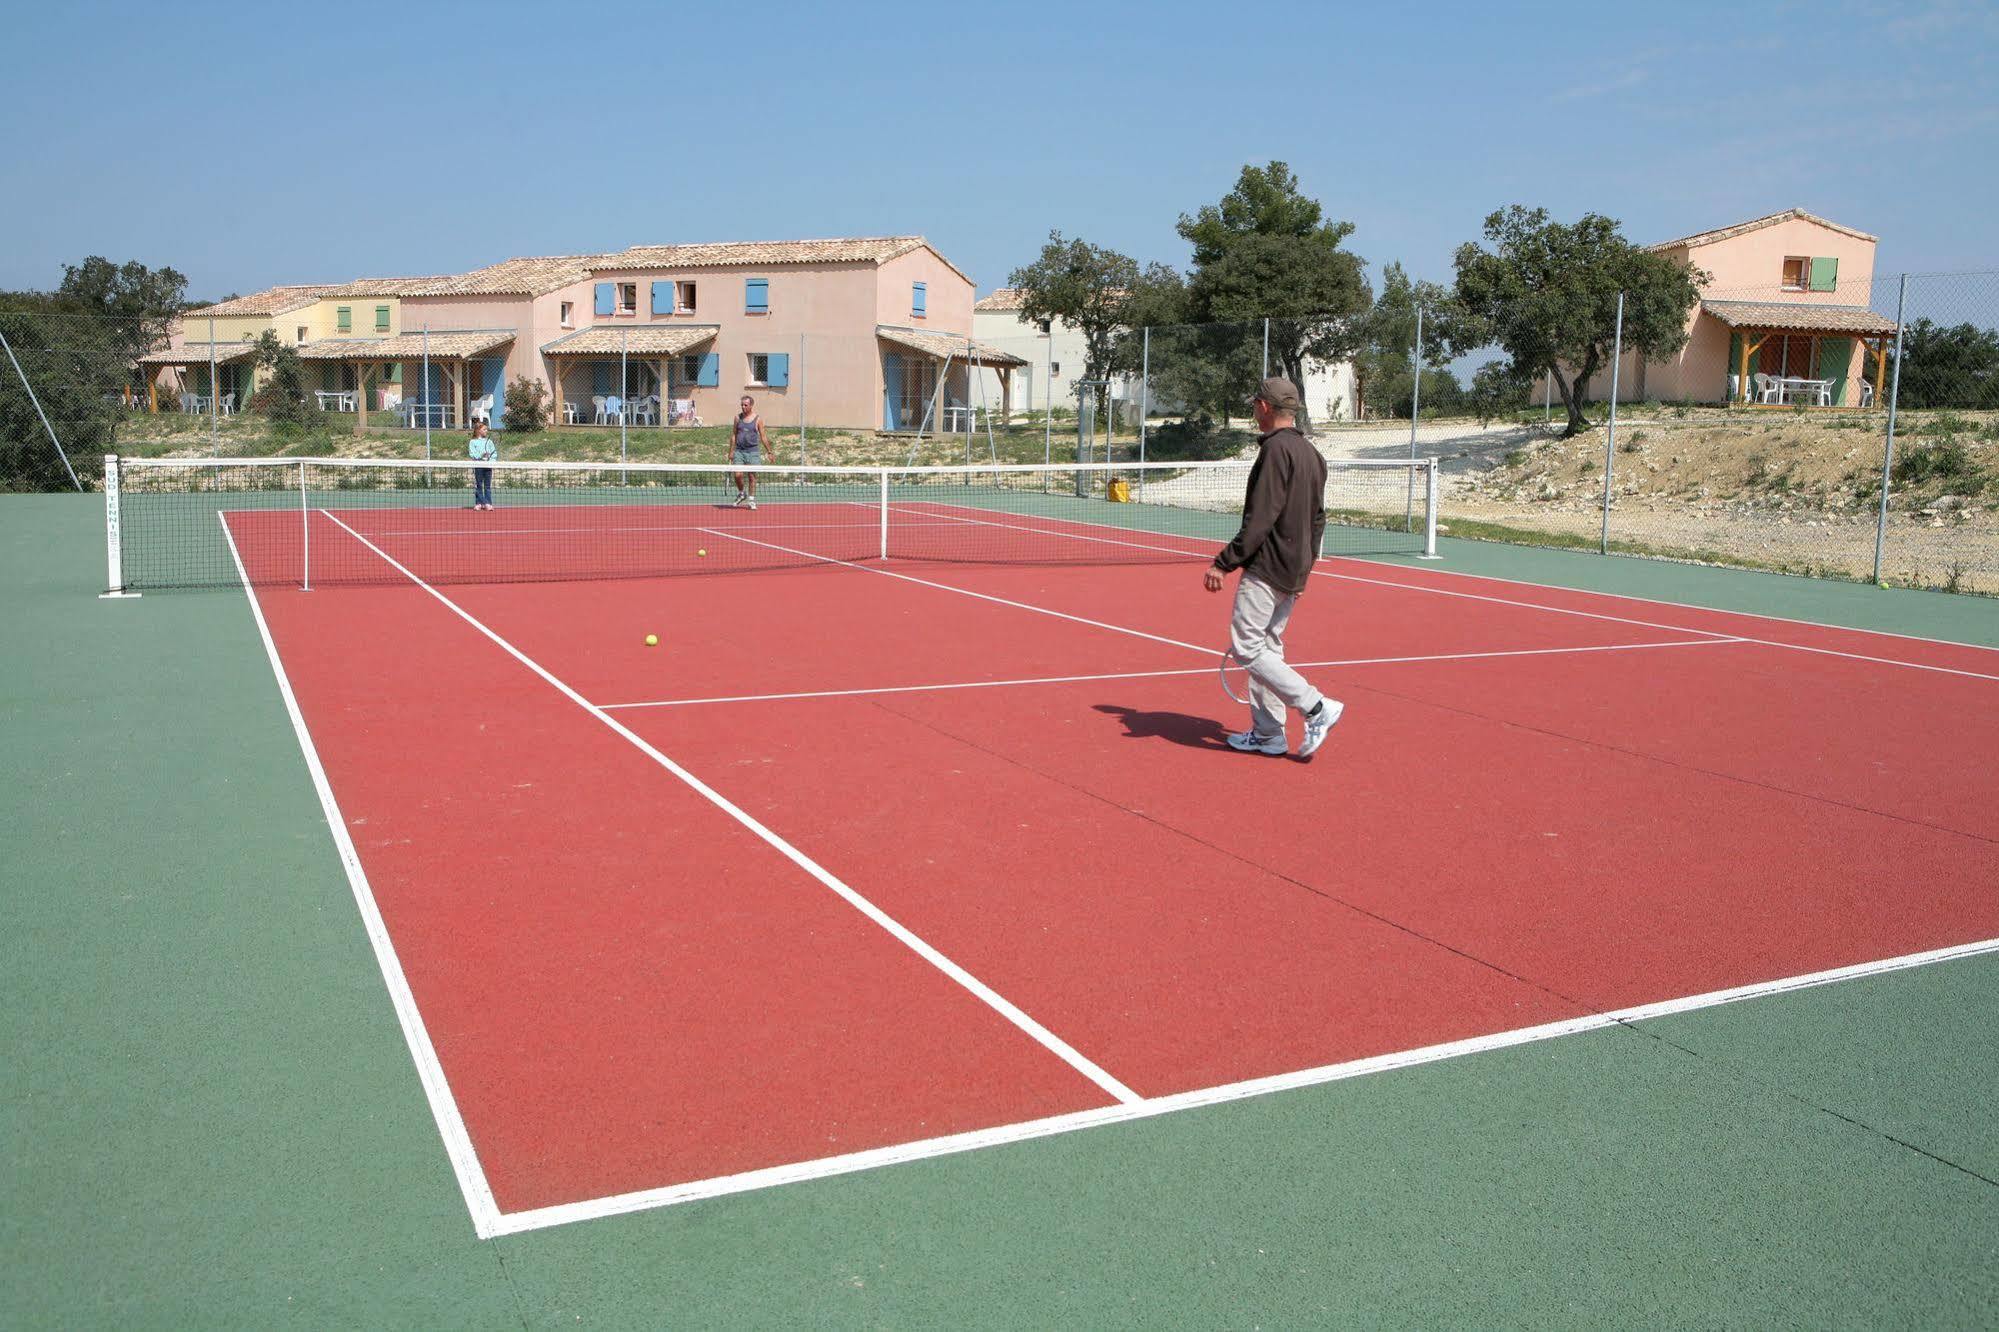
(884, 513)
(114, 540)
(1430, 489)
(305, 532)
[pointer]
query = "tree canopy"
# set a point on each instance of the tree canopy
(1102, 294)
(1266, 251)
(1546, 293)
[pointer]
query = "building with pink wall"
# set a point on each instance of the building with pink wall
(1786, 318)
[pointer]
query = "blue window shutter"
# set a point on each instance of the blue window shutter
(919, 294)
(600, 377)
(779, 373)
(496, 384)
(756, 295)
(891, 382)
(711, 371)
(662, 298)
(607, 298)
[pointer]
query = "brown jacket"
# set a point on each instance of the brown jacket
(1283, 513)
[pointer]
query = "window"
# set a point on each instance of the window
(1054, 369)
(919, 298)
(759, 368)
(756, 295)
(684, 299)
(381, 319)
(628, 298)
(343, 319)
(690, 368)
(569, 314)
(1794, 274)
(301, 332)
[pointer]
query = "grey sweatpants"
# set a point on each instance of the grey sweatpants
(1256, 636)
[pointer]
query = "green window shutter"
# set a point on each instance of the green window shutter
(1735, 366)
(381, 319)
(1825, 275)
(343, 319)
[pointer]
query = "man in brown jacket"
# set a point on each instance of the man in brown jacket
(1283, 521)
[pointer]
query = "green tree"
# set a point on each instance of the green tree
(528, 406)
(1387, 340)
(284, 395)
(1265, 250)
(1100, 293)
(77, 367)
(1546, 293)
(1955, 365)
(142, 301)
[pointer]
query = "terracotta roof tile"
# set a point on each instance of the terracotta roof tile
(408, 346)
(638, 340)
(533, 276)
(1757, 224)
(740, 254)
(941, 345)
(269, 301)
(1799, 316)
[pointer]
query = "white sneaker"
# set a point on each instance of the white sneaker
(1317, 724)
(740, 497)
(753, 501)
(1249, 742)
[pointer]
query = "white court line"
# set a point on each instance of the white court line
(964, 591)
(909, 938)
(798, 1172)
(870, 527)
(1147, 675)
(443, 1106)
(1561, 610)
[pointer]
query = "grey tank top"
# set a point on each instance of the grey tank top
(746, 433)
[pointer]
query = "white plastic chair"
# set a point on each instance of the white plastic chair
(1866, 394)
(482, 407)
(645, 411)
(229, 404)
(597, 408)
(1768, 389)
(187, 403)
(614, 410)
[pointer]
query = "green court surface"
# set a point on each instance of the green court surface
(210, 1116)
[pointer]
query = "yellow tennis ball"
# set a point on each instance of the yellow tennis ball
(702, 553)
(652, 640)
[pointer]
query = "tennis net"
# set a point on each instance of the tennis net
(320, 522)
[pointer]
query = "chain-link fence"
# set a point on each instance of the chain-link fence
(1848, 432)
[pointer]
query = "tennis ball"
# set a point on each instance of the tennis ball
(702, 553)
(652, 640)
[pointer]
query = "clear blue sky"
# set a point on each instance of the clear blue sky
(248, 146)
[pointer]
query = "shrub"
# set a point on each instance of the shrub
(527, 406)
(1196, 439)
(282, 396)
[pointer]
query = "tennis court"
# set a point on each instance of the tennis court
(916, 835)
(1435, 1025)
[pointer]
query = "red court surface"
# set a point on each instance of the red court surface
(866, 856)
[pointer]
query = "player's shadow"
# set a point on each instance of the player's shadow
(1178, 727)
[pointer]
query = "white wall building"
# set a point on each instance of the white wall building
(996, 320)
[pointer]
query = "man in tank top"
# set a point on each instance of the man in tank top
(746, 447)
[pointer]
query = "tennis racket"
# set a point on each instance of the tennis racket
(1235, 677)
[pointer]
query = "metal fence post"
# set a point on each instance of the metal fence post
(1144, 401)
(801, 400)
(1415, 414)
(624, 392)
(1265, 373)
(1888, 447)
(214, 393)
(423, 398)
(1610, 432)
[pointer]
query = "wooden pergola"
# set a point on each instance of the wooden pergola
(1754, 323)
(193, 355)
(636, 343)
(944, 348)
(448, 353)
